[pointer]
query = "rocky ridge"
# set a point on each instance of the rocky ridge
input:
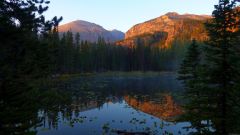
(175, 27)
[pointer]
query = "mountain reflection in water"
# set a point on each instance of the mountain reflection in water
(166, 109)
(116, 116)
(95, 105)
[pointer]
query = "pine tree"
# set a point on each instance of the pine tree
(191, 75)
(77, 39)
(188, 69)
(221, 72)
(212, 88)
(23, 58)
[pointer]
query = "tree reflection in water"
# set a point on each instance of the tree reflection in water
(51, 105)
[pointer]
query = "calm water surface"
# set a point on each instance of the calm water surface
(103, 104)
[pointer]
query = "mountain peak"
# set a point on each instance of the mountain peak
(167, 28)
(175, 15)
(82, 22)
(115, 30)
(172, 14)
(91, 31)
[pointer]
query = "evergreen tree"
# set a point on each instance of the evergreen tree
(212, 86)
(190, 73)
(23, 58)
(77, 39)
(222, 72)
(188, 69)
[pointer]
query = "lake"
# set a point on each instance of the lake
(107, 104)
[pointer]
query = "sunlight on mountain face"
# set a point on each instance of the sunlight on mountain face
(170, 73)
(175, 26)
(165, 109)
(90, 31)
(231, 25)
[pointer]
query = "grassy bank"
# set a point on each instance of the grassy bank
(116, 74)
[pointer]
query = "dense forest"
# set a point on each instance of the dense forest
(38, 43)
(69, 54)
(210, 74)
(31, 48)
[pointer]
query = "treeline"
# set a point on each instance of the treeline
(211, 75)
(70, 54)
(24, 58)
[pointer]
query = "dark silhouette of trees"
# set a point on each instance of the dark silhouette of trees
(192, 76)
(77, 56)
(24, 57)
(214, 89)
(222, 71)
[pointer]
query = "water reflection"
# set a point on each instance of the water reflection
(112, 118)
(94, 105)
(18, 110)
(165, 109)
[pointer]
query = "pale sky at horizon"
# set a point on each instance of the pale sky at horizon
(123, 14)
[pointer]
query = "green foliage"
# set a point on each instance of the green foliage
(23, 58)
(77, 56)
(212, 86)
(188, 69)
(223, 73)
(191, 75)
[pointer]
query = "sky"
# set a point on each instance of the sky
(123, 14)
